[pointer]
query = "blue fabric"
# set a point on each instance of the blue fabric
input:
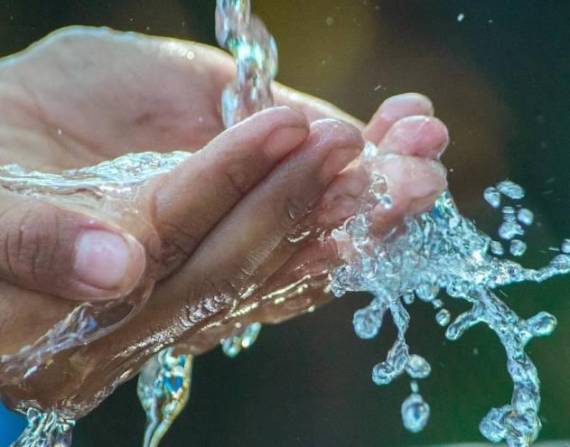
(11, 425)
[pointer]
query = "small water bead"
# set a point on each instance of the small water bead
(386, 201)
(443, 317)
(382, 374)
(409, 298)
(415, 413)
(437, 304)
(565, 247)
(418, 367)
(511, 190)
(525, 216)
(233, 345)
(509, 230)
(367, 322)
(379, 186)
(497, 248)
(414, 387)
(427, 292)
(517, 247)
(509, 214)
(542, 324)
(492, 196)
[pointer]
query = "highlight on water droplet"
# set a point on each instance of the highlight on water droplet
(492, 196)
(517, 247)
(415, 413)
(443, 317)
(511, 190)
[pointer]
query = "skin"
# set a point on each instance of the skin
(218, 227)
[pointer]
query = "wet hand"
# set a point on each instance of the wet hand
(220, 225)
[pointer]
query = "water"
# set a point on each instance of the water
(255, 53)
(442, 254)
(438, 250)
(164, 389)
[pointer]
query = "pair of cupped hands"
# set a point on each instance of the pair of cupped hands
(223, 221)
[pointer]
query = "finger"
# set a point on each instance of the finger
(420, 136)
(254, 234)
(313, 108)
(299, 286)
(191, 200)
(65, 253)
(413, 185)
(394, 109)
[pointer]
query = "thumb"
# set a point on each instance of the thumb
(57, 251)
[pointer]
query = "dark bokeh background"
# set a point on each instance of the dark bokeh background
(500, 79)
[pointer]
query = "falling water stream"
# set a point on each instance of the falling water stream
(436, 257)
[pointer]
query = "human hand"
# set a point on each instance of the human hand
(84, 96)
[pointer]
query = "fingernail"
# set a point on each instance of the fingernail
(106, 260)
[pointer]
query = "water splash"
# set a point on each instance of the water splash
(232, 346)
(164, 389)
(45, 430)
(255, 53)
(441, 251)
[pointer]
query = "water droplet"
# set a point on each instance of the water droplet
(525, 216)
(367, 322)
(497, 248)
(517, 247)
(509, 214)
(386, 201)
(565, 247)
(415, 413)
(509, 230)
(443, 317)
(492, 196)
(511, 190)
(418, 367)
(460, 17)
(414, 386)
(329, 21)
(437, 304)
(542, 324)
(427, 292)
(382, 374)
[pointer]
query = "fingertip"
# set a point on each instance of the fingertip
(394, 109)
(416, 135)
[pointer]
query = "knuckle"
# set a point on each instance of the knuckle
(31, 243)
(178, 243)
(236, 176)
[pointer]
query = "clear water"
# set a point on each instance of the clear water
(442, 254)
(439, 250)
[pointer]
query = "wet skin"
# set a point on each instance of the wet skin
(221, 226)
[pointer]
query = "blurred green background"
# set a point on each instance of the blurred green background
(500, 79)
